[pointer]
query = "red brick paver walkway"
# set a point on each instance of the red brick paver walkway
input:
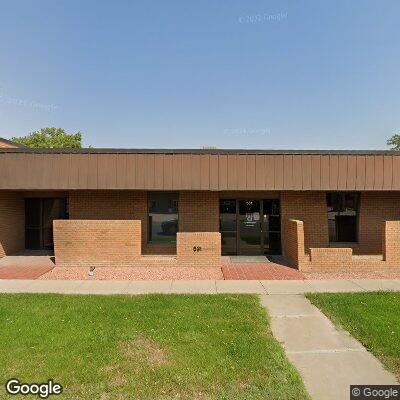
(19, 272)
(264, 271)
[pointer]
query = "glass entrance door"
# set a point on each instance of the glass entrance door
(249, 227)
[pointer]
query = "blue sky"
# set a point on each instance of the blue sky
(187, 74)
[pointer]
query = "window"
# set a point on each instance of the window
(227, 225)
(163, 217)
(342, 216)
(39, 216)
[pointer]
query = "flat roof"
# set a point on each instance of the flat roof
(195, 151)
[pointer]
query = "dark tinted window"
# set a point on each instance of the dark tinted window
(249, 206)
(342, 216)
(227, 206)
(163, 217)
(39, 216)
(227, 215)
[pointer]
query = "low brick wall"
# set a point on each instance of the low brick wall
(199, 248)
(97, 242)
(338, 258)
(117, 243)
(325, 258)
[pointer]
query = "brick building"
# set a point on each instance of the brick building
(343, 200)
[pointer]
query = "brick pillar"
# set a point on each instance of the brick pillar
(293, 241)
(391, 242)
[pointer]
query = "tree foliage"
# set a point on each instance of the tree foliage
(394, 142)
(53, 138)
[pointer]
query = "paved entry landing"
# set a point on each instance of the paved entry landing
(25, 265)
(250, 268)
(248, 259)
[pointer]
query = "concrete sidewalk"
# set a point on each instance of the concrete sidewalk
(195, 286)
(329, 360)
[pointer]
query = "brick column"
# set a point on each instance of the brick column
(293, 241)
(391, 242)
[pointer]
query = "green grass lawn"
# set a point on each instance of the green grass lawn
(145, 347)
(372, 318)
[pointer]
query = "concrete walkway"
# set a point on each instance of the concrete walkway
(329, 360)
(195, 286)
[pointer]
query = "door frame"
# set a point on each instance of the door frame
(262, 222)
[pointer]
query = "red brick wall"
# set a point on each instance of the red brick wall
(293, 241)
(333, 258)
(102, 204)
(112, 204)
(309, 207)
(391, 242)
(199, 212)
(12, 222)
(319, 259)
(96, 242)
(116, 243)
(340, 259)
(375, 209)
(199, 248)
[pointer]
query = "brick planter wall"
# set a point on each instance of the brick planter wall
(97, 242)
(117, 243)
(199, 248)
(329, 258)
(335, 258)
